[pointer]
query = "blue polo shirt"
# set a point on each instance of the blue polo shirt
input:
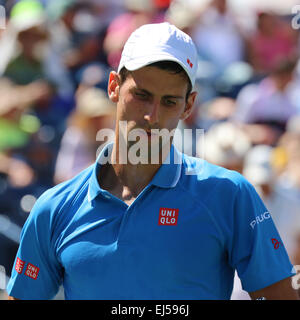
(182, 238)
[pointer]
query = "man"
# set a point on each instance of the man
(165, 230)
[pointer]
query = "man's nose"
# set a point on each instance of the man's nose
(152, 113)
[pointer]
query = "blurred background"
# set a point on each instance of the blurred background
(55, 58)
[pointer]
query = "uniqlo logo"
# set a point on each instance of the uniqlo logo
(19, 265)
(32, 271)
(168, 217)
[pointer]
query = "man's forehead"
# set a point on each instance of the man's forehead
(153, 79)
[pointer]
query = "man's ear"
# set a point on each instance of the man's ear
(113, 88)
(189, 105)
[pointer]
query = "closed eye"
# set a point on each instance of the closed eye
(140, 95)
(169, 102)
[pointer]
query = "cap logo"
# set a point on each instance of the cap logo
(189, 62)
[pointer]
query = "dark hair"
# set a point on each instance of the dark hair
(169, 66)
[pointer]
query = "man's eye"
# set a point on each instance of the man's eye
(140, 95)
(169, 102)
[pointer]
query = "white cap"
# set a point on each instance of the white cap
(158, 42)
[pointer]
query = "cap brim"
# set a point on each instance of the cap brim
(139, 63)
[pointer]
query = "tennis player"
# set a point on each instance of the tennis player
(174, 229)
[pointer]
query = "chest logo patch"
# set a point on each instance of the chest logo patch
(168, 217)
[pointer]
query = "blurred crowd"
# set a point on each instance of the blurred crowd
(55, 58)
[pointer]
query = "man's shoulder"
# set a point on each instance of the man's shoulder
(199, 173)
(63, 194)
(218, 189)
(202, 169)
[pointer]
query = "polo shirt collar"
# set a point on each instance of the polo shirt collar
(169, 172)
(94, 187)
(167, 175)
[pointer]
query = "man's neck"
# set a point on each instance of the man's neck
(126, 180)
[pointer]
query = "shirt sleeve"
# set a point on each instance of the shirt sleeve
(36, 273)
(256, 250)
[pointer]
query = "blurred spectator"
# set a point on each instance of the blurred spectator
(258, 170)
(138, 13)
(76, 36)
(217, 36)
(79, 145)
(225, 145)
(183, 15)
(11, 135)
(214, 111)
(221, 46)
(288, 153)
(107, 10)
(28, 70)
(27, 63)
(273, 40)
(14, 134)
(265, 108)
(24, 16)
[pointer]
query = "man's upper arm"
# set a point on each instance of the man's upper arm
(281, 290)
(36, 273)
